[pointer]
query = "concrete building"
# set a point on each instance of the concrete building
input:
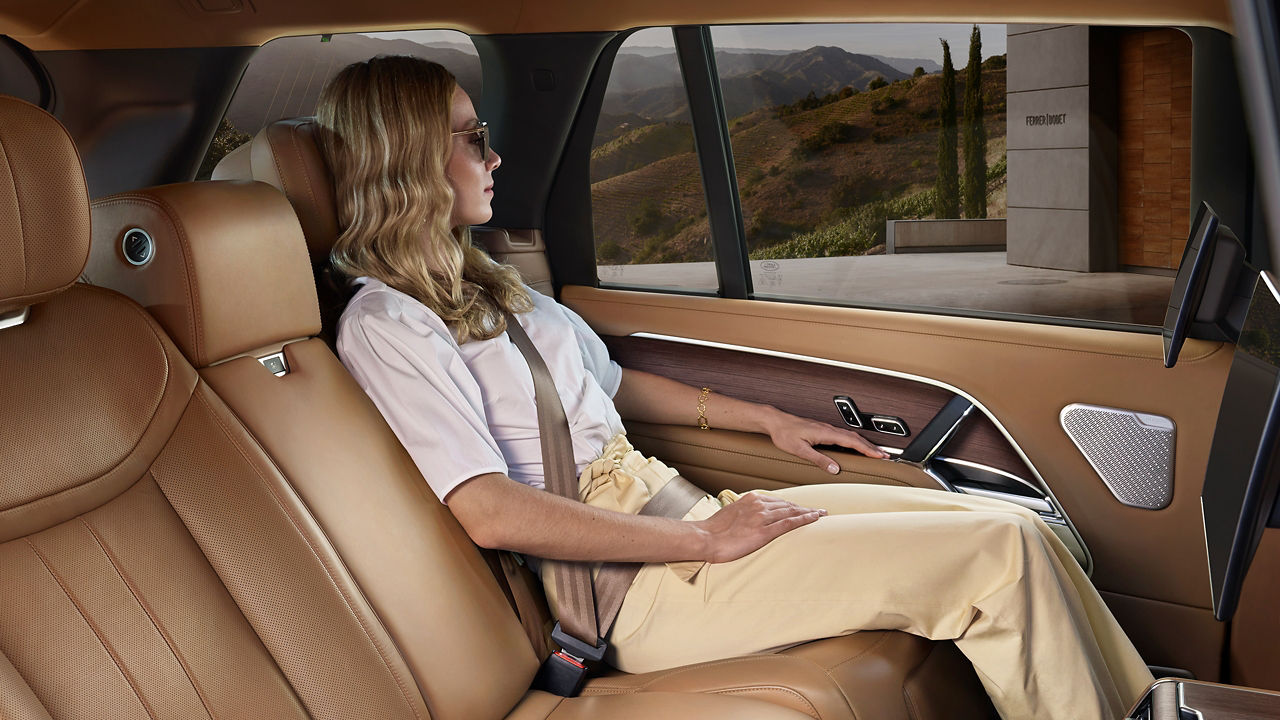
(1099, 147)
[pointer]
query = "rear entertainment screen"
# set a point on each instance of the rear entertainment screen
(1241, 480)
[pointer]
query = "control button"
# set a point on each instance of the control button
(848, 411)
(889, 426)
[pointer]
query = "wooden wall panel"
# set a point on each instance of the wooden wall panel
(806, 389)
(1155, 147)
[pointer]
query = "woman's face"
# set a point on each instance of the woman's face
(470, 176)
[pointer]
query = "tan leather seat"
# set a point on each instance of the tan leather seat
(872, 674)
(222, 543)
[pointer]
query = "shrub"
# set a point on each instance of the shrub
(831, 133)
(646, 218)
(610, 251)
(857, 233)
(877, 83)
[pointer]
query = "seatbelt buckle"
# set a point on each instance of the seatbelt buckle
(565, 671)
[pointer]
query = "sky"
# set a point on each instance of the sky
(902, 40)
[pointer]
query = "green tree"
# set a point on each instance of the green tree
(975, 133)
(946, 203)
(225, 139)
(877, 83)
(919, 73)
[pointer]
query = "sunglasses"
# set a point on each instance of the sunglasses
(481, 132)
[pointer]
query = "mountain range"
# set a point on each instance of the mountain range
(651, 86)
(285, 76)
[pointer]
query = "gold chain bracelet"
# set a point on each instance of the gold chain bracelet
(702, 409)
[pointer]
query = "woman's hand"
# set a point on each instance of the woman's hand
(798, 435)
(750, 523)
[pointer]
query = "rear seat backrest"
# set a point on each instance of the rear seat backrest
(286, 155)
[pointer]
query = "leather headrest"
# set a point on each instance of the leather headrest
(44, 206)
(286, 154)
(228, 275)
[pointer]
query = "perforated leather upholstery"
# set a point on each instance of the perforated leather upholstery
(44, 224)
(228, 275)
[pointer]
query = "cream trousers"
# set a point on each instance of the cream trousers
(985, 574)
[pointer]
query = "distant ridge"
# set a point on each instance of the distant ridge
(651, 87)
(284, 77)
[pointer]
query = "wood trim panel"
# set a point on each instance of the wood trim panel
(806, 389)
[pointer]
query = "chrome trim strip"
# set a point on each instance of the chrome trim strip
(1040, 506)
(1044, 487)
(988, 468)
(14, 318)
(1182, 703)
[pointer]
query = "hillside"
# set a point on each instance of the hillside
(796, 173)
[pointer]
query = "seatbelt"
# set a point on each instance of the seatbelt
(584, 618)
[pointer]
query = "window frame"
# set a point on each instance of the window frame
(1224, 178)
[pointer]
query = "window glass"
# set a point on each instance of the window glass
(868, 176)
(649, 210)
(284, 78)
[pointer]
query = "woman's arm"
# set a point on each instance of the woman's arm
(655, 399)
(498, 512)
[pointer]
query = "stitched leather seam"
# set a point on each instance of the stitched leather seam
(745, 690)
(194, 326)
(298, 155)
(811, 712)
(912, 710)
(22, 225)
(150, 615)
(154, 412)
(983, 341)
(690, 668)
(879, 641)
(329, 571)
(128, 677)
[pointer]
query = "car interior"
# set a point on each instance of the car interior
(202, 513)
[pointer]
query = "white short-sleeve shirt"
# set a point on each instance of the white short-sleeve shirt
(466, 410)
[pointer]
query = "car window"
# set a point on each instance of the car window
(649, 211)
(284, 78)
(1008, 169)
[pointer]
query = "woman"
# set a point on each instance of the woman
(425, 336)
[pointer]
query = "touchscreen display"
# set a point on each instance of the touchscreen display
(1241, 480)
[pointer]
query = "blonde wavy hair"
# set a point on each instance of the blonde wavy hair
(384, 131)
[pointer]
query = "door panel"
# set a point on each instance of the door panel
(808, 390)
(1024, 374)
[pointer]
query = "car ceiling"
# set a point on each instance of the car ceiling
(105, 24)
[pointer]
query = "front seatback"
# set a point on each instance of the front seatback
(229, 282)
(153, 560)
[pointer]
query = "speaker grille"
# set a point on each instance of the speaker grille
(1132, 452)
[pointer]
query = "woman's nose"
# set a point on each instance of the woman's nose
(494, 160)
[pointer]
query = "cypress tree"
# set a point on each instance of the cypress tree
(946, 203)
(975, 134)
